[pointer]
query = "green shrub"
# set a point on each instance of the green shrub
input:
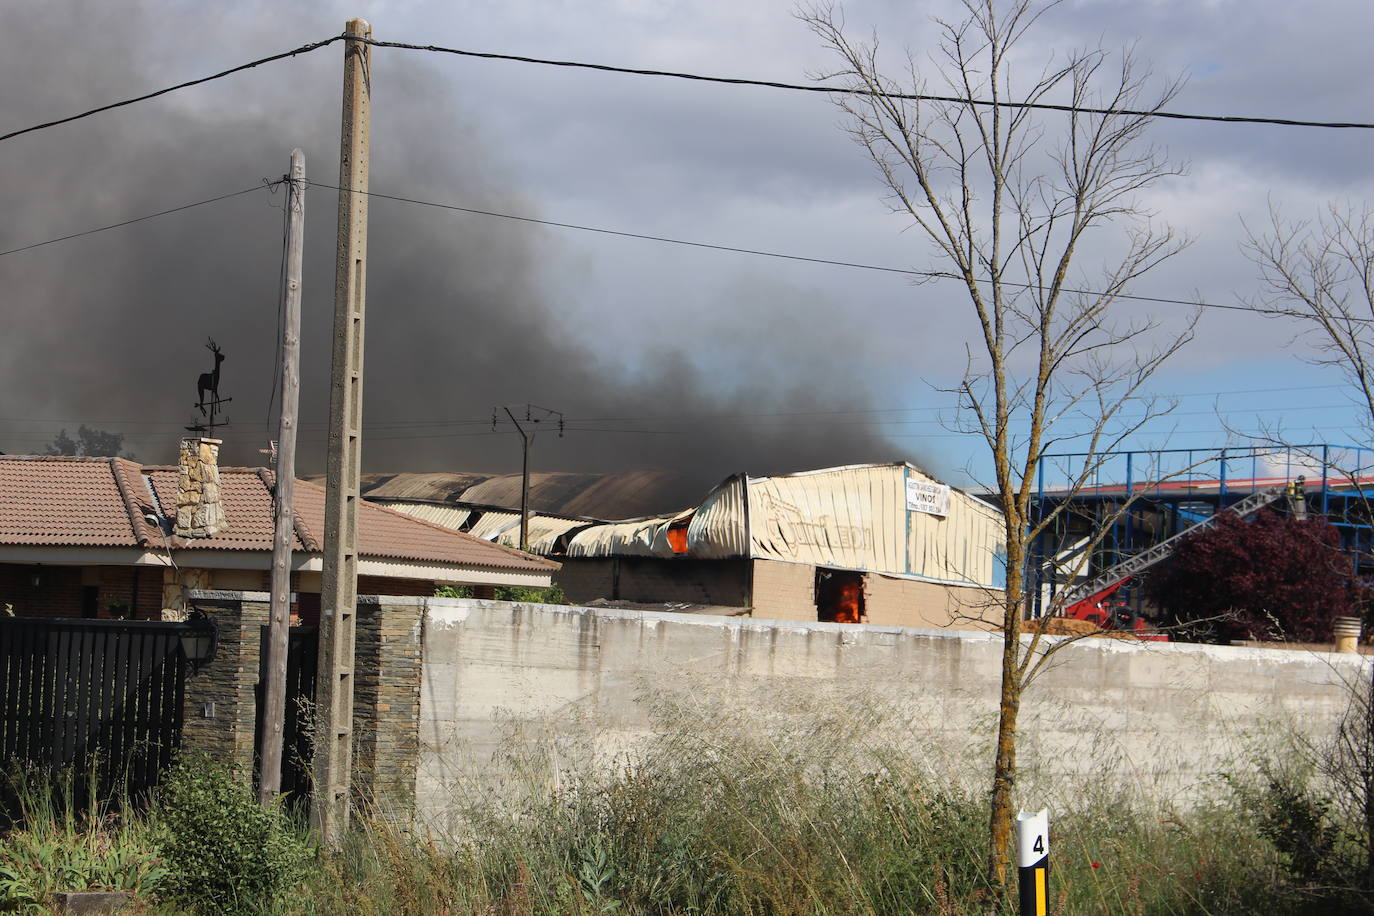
(224, 853)
(531, 595)
(527, 594)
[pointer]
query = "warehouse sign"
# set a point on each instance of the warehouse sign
(927, 497)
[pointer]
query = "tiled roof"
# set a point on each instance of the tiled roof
(85, 502)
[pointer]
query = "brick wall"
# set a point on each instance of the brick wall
(655, 579)
(382, 585)
(585, 579)
(386, 692)
(62, 590)
(908, 603)
(386, 700)
(228, 681)
(784, 591)
(693, 581)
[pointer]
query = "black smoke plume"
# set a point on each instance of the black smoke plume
(108, 330)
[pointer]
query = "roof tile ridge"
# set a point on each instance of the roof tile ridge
(120, 468)
(308, 539)
(60, 459)
(268, 476)
(463, 535)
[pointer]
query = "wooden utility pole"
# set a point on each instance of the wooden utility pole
(283, 510)
(339, 590)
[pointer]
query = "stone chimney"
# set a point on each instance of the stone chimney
(199, 510)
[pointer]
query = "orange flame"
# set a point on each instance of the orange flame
(848, 603)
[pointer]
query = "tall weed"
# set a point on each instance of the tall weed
(56, 844)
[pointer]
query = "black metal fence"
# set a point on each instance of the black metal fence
(99, 699)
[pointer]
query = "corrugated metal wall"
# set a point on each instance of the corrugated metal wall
(969, 545)
(852, 517)
(856, 518)
(717, 530)
(846, 517)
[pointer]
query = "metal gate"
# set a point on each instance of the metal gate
(302, 657)
(101, 699)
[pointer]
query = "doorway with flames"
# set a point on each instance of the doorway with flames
(840, 596)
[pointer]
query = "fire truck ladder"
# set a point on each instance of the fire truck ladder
(1152, 555)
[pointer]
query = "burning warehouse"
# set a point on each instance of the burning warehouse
(876, 543)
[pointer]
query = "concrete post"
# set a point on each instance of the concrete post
(339, 591)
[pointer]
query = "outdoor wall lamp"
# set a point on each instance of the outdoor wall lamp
(199, 638)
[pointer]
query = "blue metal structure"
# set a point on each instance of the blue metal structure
(1155, 494)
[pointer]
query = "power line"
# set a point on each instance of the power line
(397, 425)
(757, 252)
(139, 219)
(399, 432)
(303, 49)
(844, 90)
(698, 77)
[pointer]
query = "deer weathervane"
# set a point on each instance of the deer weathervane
(209, 385)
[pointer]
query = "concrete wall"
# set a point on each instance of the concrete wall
(504, 683)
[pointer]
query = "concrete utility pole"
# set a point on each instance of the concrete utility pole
(283, 512)
(339, 591)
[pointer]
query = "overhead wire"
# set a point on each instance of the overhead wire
(138, 219)
(303, 49)
(758, 252)
(400, 430)
(849, 90)
(854, 411)
(695, 77)
(733, 249)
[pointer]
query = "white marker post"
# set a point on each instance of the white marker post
(1033, 861)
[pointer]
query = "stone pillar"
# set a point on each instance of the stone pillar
(386, 700)
(220, 707)
(199, 510)
(175, 584)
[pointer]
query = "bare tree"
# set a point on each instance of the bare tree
(1011, 199)
(1322, 273)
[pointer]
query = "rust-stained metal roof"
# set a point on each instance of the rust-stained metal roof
(62, 501)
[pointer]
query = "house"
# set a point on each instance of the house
(102, 537)
(877, 543)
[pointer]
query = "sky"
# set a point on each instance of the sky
(657, 355)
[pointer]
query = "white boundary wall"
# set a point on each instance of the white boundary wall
(504, 684)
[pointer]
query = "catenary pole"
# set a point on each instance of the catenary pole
(524, 480)
(283, 511)
(339, 587)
